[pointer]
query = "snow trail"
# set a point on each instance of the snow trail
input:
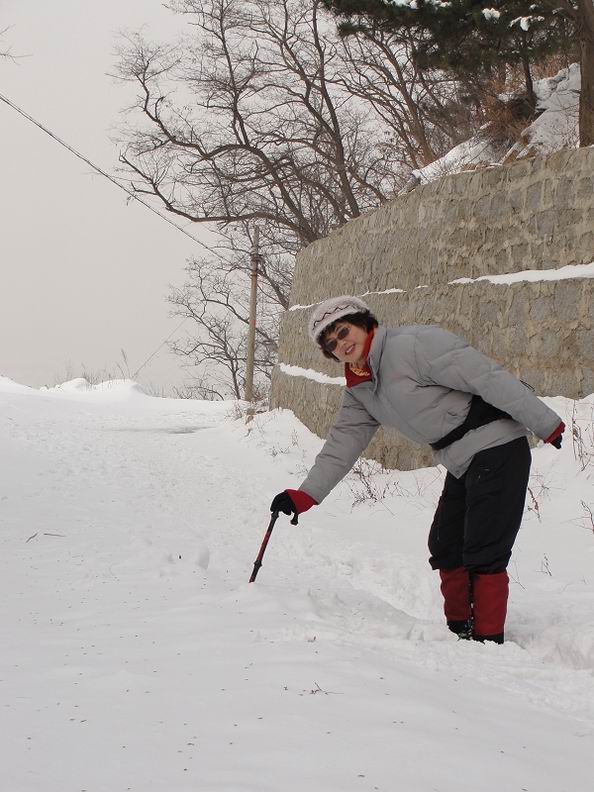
(135, 655)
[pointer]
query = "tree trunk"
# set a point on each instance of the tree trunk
(586, 34)
(531, 96)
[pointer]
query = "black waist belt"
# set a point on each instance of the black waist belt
(480, 413)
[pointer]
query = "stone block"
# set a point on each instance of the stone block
(540, 309)
(533, 198)
(565, 191)
(482, 208)
(584, 345)
(585, 248)
(519, 255)
(568, 219)
(502, 262)
(515, 200)
(585, 187)
(546, 223)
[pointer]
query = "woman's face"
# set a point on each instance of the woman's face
(350, 342)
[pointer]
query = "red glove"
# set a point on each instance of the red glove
(557, 437)
(301, 499)
(292, 502)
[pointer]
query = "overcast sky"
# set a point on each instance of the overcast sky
(83, 273)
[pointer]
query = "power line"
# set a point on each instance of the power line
(108, 176)
(117, 183)
(162, 344)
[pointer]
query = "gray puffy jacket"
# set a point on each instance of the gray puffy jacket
(423, 378)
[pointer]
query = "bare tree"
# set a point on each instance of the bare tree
(4, 53)
(421, 108)
(262, 132)
(215, 297)
(259, 116)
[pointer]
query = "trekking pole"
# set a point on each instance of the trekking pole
(258, 561)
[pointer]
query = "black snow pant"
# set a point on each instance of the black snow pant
(478, 515)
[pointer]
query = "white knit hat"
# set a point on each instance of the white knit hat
(330, 311)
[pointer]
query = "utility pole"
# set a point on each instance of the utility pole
(251, 339)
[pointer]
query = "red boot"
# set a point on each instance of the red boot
(490, 594)
(455, 587)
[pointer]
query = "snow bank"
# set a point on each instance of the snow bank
(117, 388)
(468, 155)
(557, 126)
(10, 386)
(135, 655)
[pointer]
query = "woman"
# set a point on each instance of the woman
(436, 390)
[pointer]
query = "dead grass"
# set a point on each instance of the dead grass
(507, 110)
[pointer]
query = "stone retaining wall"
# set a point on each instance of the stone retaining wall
(535, 215)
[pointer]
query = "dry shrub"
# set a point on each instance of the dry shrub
(506, 120)
(506, 108)
(552, 65)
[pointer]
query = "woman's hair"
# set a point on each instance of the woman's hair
(365, 320)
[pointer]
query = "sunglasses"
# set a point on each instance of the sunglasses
(341, 334)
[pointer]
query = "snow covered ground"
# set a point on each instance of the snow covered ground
(135, 655)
